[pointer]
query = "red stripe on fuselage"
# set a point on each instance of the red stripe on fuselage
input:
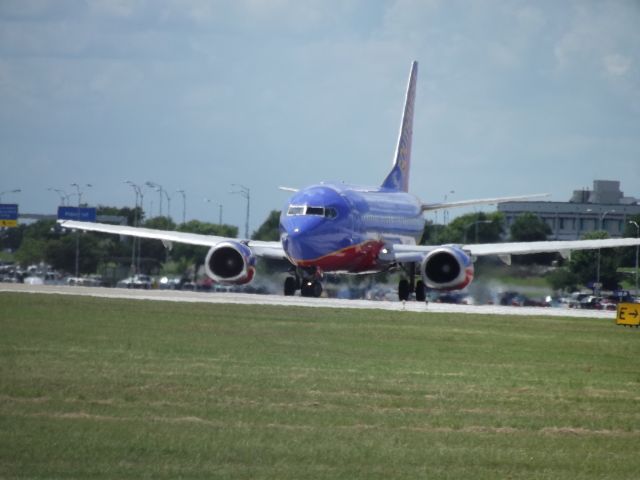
(357, 258)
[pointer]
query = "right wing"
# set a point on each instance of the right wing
(260, 248)
(415, 253)
(426, 207)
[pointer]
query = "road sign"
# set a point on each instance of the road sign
(9, 215)
(628, 314)
(82, 214)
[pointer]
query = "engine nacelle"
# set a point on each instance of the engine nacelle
(230, 262)
(447, 268)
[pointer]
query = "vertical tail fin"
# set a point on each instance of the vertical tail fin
(398, 177)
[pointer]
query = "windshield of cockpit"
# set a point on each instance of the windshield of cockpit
(309, 210)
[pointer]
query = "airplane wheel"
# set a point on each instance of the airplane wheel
(403, 290)
(421, 291)
(305, 289)
(311, 289)
(289, 286)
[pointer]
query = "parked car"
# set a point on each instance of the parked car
(137, 281)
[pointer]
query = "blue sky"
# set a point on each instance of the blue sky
(513, 97)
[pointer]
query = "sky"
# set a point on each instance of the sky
(513, 97)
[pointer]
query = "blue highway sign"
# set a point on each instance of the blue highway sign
(81, 214)
(8, 215)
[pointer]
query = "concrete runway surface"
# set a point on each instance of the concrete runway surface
(251, 299)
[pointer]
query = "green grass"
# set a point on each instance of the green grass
(99, 388)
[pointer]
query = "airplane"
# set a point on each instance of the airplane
(352, 229)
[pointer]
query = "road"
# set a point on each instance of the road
(251, 299)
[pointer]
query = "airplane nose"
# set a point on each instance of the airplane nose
(298, 237)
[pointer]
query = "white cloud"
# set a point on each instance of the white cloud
(616, 64)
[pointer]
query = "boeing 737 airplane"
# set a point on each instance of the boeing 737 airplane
(339, 228)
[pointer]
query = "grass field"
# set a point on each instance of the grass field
(103, 388)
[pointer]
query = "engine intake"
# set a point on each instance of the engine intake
(447, 268)
(230, 262)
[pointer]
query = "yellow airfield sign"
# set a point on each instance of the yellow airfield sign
(628, 314)
(8, 223)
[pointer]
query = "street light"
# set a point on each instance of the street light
(476, 223)
(598, 269)
(79, 193)
(137, 189)
(184, 205)
(158, 189)
(637, 249)
(64, 196)
(17, 190)
(208, 200)
(246, 193)
(445, 213)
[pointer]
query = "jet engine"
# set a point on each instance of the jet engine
(230, 262)
(447, 268)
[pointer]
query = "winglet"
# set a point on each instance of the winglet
(398, 177)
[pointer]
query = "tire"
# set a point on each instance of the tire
(289, 287)
(316, 289)
(403, 290)
(421, 291)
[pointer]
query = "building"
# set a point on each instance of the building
(603, 208)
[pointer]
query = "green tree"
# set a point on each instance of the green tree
(584, 264)
(628, 255)
(32, 250)
(529, 227)
(131, 214)
(489, 228)
(562, 279)
(270, 228)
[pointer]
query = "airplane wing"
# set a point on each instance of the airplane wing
(260, 248)
(426, 207)
(415, 253)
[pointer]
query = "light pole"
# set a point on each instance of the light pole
(79, 193)
(64, 196)
(208, 200)
(137, 189)
(184, 205)
(637, 249)
(476, 223)
(246, 193)
(158, 189)
(598, 268)
(445, 214)
(168, 204)
(17, 190)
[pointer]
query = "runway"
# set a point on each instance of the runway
(252, 299)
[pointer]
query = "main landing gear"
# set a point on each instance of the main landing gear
(408, 286)
(308, 282)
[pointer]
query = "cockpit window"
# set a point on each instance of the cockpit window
(296, 210)
(328, 212)
(317, 211)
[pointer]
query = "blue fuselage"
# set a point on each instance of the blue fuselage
(337, 227)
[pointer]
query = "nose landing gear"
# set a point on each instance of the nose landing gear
(308, 282)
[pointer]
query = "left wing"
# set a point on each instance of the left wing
(260, 248)
(426, 207)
